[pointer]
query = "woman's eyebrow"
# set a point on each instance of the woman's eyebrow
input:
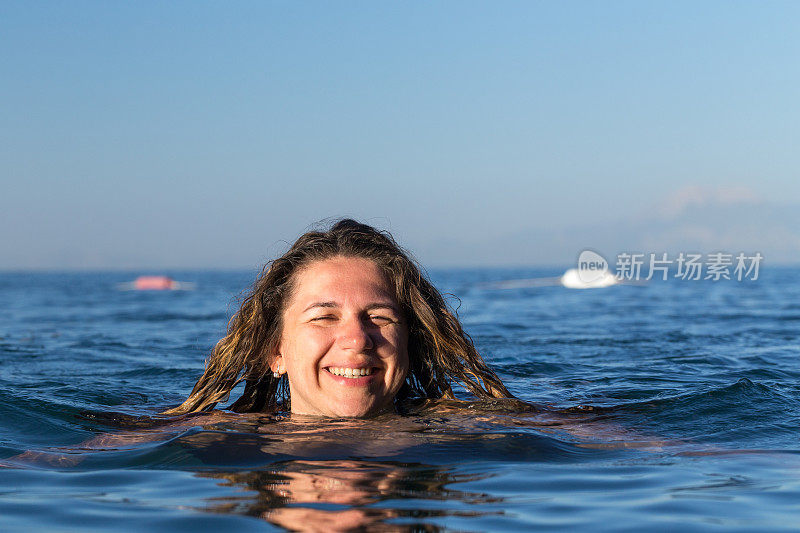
(381, 305)
(320, 304)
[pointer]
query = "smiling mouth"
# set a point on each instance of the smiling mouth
(349, 372)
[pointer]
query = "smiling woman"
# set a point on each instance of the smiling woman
(344, 324)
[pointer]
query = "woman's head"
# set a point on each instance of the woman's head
(343, 300)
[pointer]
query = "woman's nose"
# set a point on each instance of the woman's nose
(355, 336)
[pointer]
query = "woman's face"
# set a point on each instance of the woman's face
(344, 344)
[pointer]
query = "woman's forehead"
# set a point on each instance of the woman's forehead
(342, 278)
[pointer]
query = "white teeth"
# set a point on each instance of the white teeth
(349, 372)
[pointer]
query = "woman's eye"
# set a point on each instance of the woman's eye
(380, 319)
(322, 318)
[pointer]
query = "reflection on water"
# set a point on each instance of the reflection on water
(391, 472)
(388, 473)
(350, 494)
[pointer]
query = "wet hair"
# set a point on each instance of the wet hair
(439, 350)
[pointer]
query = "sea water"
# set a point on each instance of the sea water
(673, 405)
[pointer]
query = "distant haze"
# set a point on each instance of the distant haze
(691, 220)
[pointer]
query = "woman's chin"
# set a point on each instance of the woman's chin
(347, 403)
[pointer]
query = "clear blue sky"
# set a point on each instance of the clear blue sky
(181, 134)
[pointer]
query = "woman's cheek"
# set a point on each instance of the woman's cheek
(314, 337)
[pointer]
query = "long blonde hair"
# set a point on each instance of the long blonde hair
(439, 350)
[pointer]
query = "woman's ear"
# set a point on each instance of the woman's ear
(277, 364)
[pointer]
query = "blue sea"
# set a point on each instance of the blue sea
(671, 405)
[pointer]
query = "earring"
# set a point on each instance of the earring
(276, 374)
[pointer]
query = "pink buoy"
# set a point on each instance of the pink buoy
(154, 283)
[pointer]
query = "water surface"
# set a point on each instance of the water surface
(675, 404)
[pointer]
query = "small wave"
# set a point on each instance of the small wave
(152, 371)
(746, 411)
(737, 396)
(101, 343)
(16, 348)
(167, 317)
(30, 420)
